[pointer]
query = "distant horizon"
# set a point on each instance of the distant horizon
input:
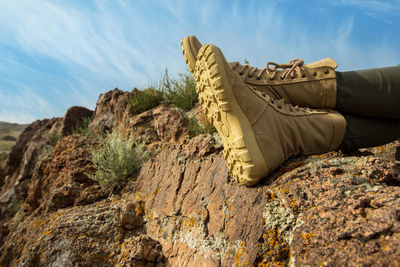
(58, 54)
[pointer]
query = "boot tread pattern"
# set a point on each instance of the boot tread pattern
(215, 105)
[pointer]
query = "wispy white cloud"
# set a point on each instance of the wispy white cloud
(375, 8)
(66, 53)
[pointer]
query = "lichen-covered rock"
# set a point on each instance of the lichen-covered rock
(162, 124)
(62, 181)
(183, 209)
(132, 215)
(141, 251)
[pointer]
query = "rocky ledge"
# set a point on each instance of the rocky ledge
(182, 209)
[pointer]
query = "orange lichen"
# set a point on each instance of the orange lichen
(155, 192)
(139, 208)
(38, 223)
(270, 195)
(274, 251)
(307, 236)
(238, 256)
(189, 222)
(48, 232)
(284, 190)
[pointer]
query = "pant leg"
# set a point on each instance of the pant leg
(364, 132)
(369, 93)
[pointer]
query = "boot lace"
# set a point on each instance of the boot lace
(272, 69)
(283, 102)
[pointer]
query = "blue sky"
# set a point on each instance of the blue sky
(56, 54)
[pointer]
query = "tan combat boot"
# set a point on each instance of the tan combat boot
(312, 85)
(259, 132)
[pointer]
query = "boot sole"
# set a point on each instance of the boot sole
(241, 151)
(188, 53)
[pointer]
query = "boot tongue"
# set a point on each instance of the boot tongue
(323, 63)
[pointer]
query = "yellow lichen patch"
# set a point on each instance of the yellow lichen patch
(238, 255)
(226, 209)
(189, 223)
(292, 205)
(284, 190)
(155, 192)
(274, 251)
(48, 232)
(38, 223)
(140, 211)
(307, 236)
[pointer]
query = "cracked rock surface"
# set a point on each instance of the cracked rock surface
(182, 209)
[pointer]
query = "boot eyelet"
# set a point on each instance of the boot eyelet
(314, 74)
(282, 78)
(240, 73)
(249, 76)
(258, 78)
(327, 72)
(303, 76)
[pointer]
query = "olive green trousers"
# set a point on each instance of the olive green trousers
(370, 102)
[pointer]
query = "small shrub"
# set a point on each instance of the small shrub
(180, 92)
(116, 160)
(141, 101)
(83, 128)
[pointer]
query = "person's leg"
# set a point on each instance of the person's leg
(364, 132)
(369, 93)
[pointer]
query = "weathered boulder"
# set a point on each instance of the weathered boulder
(73, 118)
(162, 124)
(62, 180)
(111, 112)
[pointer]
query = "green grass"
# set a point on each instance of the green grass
(140, 101)
(116, 160)
(179, 92)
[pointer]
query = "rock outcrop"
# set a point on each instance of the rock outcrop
(111, 112)
(73, 118)
(182, 209)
